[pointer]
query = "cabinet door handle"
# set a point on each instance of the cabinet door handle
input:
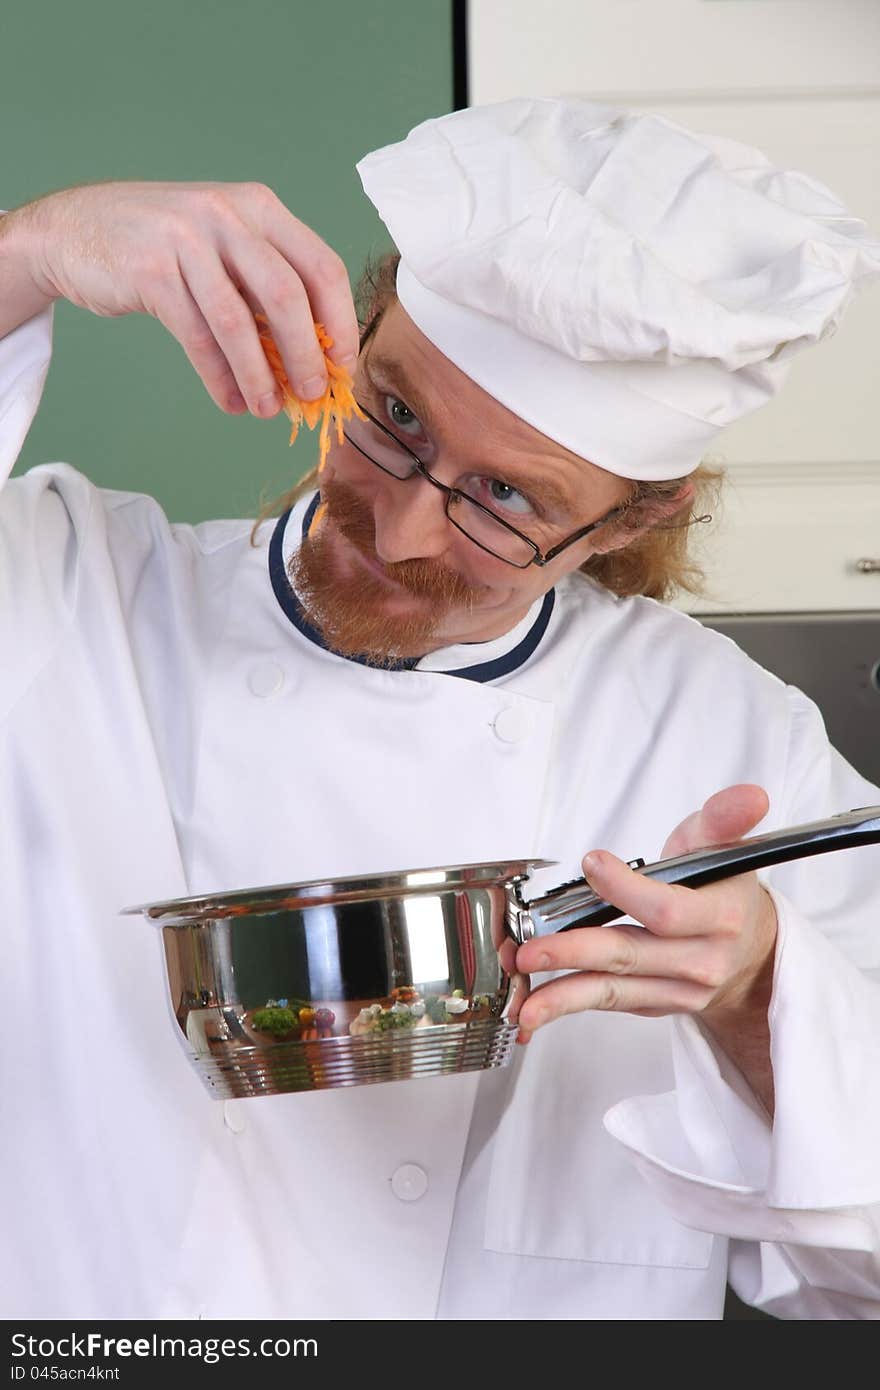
(867, 566)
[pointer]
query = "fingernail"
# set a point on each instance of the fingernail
(314, 387)
(236, 402)
(526, 1031)
(507, 956)
(591, 865)
(268, 405)
(349, 362)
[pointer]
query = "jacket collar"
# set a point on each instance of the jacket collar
(475, 661)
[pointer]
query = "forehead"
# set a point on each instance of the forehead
(461, 416)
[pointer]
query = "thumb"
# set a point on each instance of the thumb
(728, 815)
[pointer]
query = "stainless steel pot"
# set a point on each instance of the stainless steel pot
(305, 986)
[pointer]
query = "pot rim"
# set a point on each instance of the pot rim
(283, 897)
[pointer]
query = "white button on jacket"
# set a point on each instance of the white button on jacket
(266, 679)
(409, 1182)
(512, 724)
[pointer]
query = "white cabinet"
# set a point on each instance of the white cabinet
(671, 48)
(800, 80)
(793, 538)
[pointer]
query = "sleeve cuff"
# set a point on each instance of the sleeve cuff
(708, 1147)
(24, 362)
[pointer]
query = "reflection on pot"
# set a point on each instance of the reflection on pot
(337, 985)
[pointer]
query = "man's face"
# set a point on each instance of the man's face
(384, 572)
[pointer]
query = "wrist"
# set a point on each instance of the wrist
(24, 290)
(749, 992)
(738, 1020)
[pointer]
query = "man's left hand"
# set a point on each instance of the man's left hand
(706, 951)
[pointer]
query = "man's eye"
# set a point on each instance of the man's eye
(499, 497)
(401, 417)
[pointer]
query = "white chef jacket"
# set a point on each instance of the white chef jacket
(171, 726)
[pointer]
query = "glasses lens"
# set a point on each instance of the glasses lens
(379, 447)
(490, 533)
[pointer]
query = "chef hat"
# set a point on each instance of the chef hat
(622, 284)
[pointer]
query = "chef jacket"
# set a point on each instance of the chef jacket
(172, 725)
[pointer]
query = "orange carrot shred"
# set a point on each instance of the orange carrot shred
(336, 405)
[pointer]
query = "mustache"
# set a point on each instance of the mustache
(420, 577)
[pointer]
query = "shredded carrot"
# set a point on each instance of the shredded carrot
(337, 403)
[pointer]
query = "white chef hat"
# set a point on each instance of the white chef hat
(622, 284)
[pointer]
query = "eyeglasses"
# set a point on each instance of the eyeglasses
(476, 521)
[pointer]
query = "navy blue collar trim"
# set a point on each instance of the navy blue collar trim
(290, 603)
(481, 671)
(518, 655)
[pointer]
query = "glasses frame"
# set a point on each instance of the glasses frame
(454, 495)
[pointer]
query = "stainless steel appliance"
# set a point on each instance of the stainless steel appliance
(834, 658)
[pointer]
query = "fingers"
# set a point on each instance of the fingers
(625, 968)
(622, 968)
(276, 289)
(694, 946)
(321, 271)
(728, 815)
(252, 277)
(633, 969)
(625, 951)
(520, 987)
(203, 258)
(519, 984)
(239, 251)
(231, 322)
(178, 312)
(667, 910)
(676, 961)
(326, 282)
(641, 995)
(507, 955)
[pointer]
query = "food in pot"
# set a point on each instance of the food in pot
(274, 1019)
(289, 1020)
(406, 1009)
(405, 994)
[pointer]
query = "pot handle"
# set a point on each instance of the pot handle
(573, 904)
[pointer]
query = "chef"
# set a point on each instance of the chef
(441, 652)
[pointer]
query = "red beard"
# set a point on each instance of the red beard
(350, 608)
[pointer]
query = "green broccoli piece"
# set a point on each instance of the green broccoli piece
(386, 1021)
(275, 1020)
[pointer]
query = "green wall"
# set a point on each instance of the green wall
(289, 94)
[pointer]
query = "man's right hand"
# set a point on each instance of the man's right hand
(202, 258)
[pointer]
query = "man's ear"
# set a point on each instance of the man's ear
(647, 514)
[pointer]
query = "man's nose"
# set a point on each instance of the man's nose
(411, 522)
